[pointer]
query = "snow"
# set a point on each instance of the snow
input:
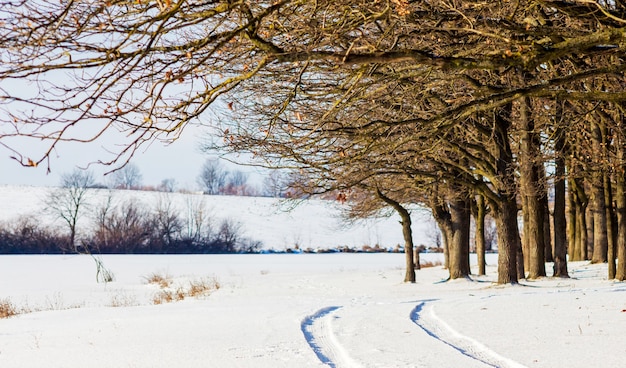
(278, 224)
(302, 310)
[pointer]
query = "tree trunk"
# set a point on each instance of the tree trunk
(600, 228)
(560, 224)
(453, 220)
(508, 242)
(610, 226)
(445, 235)
(620, 199)
(590, 233)
(405, 221)
(459, 247)
(535, 238)
(521, 274)
(572, 226)
(506, 209)
(416, 258)
(547, 234)
(524, 234)
(480, 234)
(442, 217)
(580, 200)
(530, 182)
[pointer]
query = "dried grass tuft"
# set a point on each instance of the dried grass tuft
(194, 289)
(429, 264)
(162, 280)
(7, 309)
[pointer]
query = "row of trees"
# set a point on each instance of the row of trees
(124, 226)
(463, 107)
(214, 179)
(468, 107)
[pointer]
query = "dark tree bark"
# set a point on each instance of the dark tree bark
(598, 206)
(508, 238)
(459, 247)
(531, 190)
(572, 225)
(590, 232)
(441, 214)
(620, 199)
(560, 224)
(405, 221)
(505, 210)
(525, 236)
(442, 217)
(480, 234)
(580, 201)
(610, 225)
(547, 232)
(453, 219)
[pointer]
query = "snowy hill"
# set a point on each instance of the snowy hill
(276, 223)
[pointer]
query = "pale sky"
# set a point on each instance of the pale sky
(181, 160)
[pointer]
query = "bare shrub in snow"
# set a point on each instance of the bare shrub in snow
(27, 235)
(123, 299)
(160, 279)
(202, 287)
(194, 288)
(428, 264)
(7, 309)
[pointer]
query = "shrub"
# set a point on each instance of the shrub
(168, 296)
(7, 309)
(26, 235)
(163, 281)
(193, 289)
(122, 299)
(428, 264)
(202, 287)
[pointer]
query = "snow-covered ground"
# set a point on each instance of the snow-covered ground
(295, 310)
(303, 310)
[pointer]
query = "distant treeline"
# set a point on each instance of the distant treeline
(129, 229)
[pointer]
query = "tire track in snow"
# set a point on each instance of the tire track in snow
(318, 332)
(440, 330)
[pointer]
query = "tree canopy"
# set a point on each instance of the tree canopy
(434, 95)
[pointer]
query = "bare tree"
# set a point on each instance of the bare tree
(167, 185)
(275, 184)
(238, 184)
(70, 200)
(167, 224)
(127, 177)
(212, 177)
(197, 220)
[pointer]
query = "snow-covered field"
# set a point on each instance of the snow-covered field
(296, 310)
(303, 310)
(278, 224)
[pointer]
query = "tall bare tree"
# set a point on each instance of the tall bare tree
(70, 201)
